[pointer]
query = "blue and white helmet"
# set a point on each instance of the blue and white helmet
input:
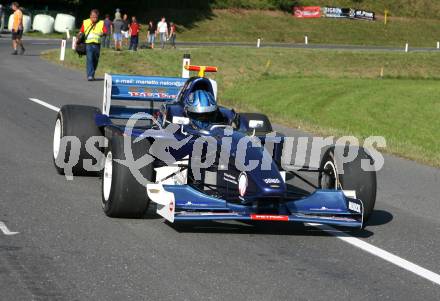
(200, 101)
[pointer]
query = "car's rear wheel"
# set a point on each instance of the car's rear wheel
(353, 177)
(123, 195)
(78, 122)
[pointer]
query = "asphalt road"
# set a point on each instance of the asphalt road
(67, 248)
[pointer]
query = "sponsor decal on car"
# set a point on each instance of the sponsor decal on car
(355, 207)
(152, 95)
(230, 179)
(269, 217)
(272, 181)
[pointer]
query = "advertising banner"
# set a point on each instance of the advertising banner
(307, 11)
(336, 12)
(362, 15)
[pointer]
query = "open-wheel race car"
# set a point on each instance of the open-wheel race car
(167, 141)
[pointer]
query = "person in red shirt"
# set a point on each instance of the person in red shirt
(134, 29)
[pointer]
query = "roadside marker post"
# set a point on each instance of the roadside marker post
(385, 19)
(438, 45)
(306, 40)
(63, 50)
(258, 43)
(186, 62)
(73, 43)
(406, 47)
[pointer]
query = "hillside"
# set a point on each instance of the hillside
(247, 25)
(401, 8)
(276, 26)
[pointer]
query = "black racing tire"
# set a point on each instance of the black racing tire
(77, 121)
(126, 197)
(354, 177)
(246, 117)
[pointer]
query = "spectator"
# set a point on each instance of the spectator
(125, 30)
(162, 29)
(117, 31)
(172, 35)
(134, 34)
(2, 19)
(151, 35)
(94, 31)
(17, 29)
(118, 14)
(109, 28)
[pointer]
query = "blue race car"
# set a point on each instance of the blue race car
(167, 141)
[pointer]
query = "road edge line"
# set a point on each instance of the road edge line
(45, 104)
(378, 252)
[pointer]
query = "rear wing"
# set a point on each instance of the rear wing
(125, 95)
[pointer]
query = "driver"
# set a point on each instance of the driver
(201, 108)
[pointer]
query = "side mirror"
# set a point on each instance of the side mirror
(256, 124)
(180, 120)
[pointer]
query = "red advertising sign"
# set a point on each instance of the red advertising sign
(307, 11)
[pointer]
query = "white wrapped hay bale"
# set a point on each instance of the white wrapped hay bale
(63, 22)
(26, 23)
(43, 23)
(10, 22)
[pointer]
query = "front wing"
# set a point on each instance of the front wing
(184, 203)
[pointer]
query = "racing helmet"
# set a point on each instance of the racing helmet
(200, 105)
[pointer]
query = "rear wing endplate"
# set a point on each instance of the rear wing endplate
(125, 95)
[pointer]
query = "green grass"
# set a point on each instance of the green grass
(405, 111)
(325, 92)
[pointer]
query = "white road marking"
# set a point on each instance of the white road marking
(369, 248)
(5, 229)
(45, 104)
(387, 256)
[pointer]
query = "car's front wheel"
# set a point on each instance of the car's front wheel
(350, 175)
